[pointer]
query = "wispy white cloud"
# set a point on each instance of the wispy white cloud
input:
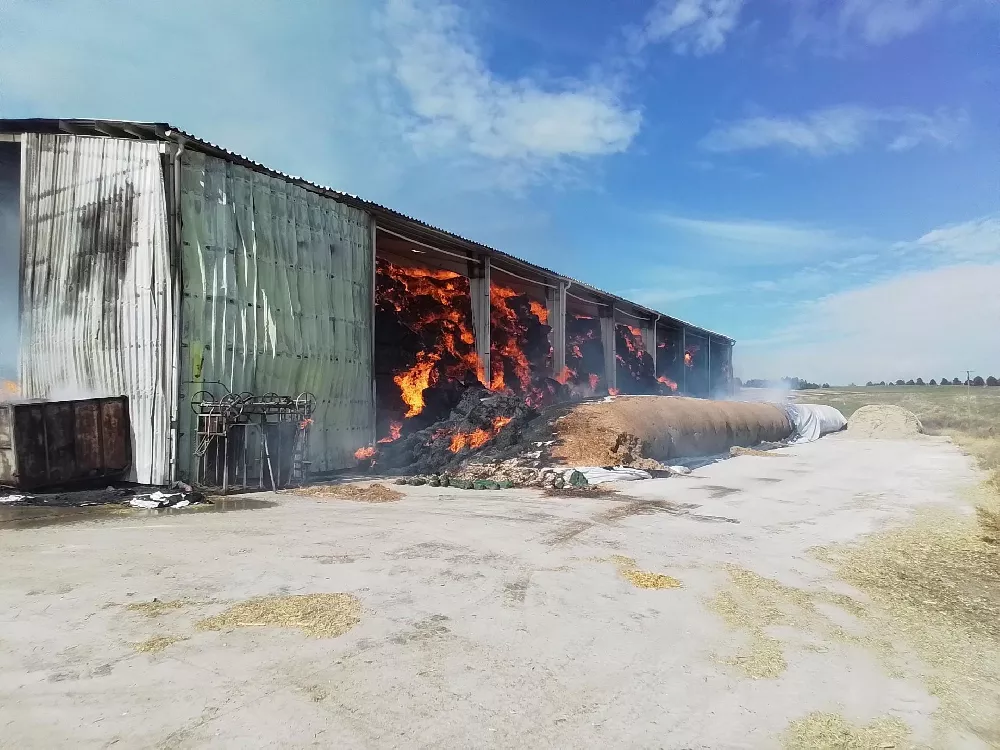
(456, 102)
(978, 239)
(835, 130)
(925, 324)
(698, 27)
(754, 242)
(836, 25)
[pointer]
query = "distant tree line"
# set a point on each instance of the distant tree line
(976, 381)
(794, 384)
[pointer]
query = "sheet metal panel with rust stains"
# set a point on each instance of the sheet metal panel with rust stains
(59, 443)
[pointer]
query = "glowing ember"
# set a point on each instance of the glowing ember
(667, 382)
(613, 391)
(635, 331)
(305, 423)
(500, 422)
(594, 381)
(474, 439)
(565, 376)
(395, 430)
(363, 454)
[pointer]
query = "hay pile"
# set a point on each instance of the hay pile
(643, 579)
(156, 644)
(824, 731)
(625, 430)
(370, 493)
(884, 421)
(318, 615)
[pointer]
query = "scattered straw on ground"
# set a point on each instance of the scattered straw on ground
(884, 421)
(155, 608)
(823, 731)
(937, 587)
(317, 615)
(643, 579)
(157, 643)
(739, 450)
(753, 605)
(371, 493)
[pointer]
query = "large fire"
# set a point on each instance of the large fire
(584, 355)
(514, 349)
(431, 311)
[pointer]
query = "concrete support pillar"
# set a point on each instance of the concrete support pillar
(709, 367)
(648, 329)
(608, 341)
(479, 287)
(684, 367)
(732, 377)
(555, 302)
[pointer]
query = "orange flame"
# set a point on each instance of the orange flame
(500, 422)
(395, 430)
(445, 326)
(416, 380)
(689, 359)
(540, 311)
(510, 331)
(667, 382)
(475, 439)
(363, 454)
(305, 423)
(565, 376)
(595, 379)
(613, 391)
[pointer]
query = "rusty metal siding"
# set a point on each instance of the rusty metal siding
(97, 313)
(277, 298)
(58, 443)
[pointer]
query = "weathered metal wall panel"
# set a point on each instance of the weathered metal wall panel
(97, 313)
(277, 298)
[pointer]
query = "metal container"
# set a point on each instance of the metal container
(58, 443)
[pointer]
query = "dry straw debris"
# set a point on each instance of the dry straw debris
(155, 608)
(317, 615)
(739, 450)
(643, 579)
(371, 493)
(825, 731)
(937, 584)
(157, 643)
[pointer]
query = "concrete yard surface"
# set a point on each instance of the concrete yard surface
(487, 619)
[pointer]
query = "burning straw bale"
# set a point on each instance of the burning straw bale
(316, 615)
(482, 421)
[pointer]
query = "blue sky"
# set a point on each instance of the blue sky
(816, 178)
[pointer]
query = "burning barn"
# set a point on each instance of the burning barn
(220, 296)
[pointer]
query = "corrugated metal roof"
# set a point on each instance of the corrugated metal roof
(162, 131)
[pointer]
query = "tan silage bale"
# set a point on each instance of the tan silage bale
(662, 428)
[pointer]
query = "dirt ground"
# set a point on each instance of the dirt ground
(707, 611)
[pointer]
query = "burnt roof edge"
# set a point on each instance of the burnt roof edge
(162, 131)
